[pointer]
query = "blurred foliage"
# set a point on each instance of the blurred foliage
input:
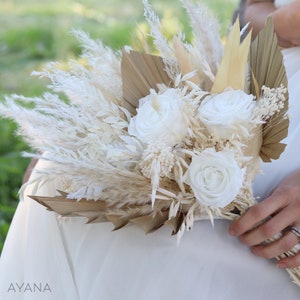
(12, 167)
(33, 32)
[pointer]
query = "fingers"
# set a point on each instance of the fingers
(290, 262)
(284, 196)
(269, 228)
(276, 216)
(278, 247)
(272, 226)
(257, 215)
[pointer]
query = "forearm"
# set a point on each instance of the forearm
(256, 13)
(286, 20)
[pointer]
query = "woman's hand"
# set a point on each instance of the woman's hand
(270, 217)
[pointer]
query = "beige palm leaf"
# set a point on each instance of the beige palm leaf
(140, 73)
(266, 64)
(232, 70)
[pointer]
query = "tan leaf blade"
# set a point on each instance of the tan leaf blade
(175, 223)
(69, 207)
(121, 220)
(151, 222)
(232, 70)
(273, 134)
(184, 60)
(92, 216)
(140, 73)
(268, 151)
(266, 63)
(100, 211)
(117, 220)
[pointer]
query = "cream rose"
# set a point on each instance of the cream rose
(159, 118)
(227, 113)
(215, 177)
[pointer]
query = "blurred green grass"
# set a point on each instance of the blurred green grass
(33, 32)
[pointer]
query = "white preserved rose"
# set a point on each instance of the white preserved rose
(160, 118)
(226, 114)
(215, 177)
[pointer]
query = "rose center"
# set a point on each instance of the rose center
(212, 178)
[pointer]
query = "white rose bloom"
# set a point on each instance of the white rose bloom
(227, 113)
(215, 177)
(159, 118)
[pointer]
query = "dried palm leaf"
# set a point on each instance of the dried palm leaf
(266, 63)
(151, 222)
(232, 70)
(140, 73)
(146, 217)
(184, 60)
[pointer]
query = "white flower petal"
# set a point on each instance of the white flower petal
(215, 177)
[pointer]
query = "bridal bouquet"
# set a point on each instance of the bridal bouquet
(159, 139)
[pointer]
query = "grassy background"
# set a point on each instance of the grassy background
(33, 32)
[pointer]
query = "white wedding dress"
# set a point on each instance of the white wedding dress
(48, 257)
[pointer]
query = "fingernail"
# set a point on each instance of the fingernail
(281, 265)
